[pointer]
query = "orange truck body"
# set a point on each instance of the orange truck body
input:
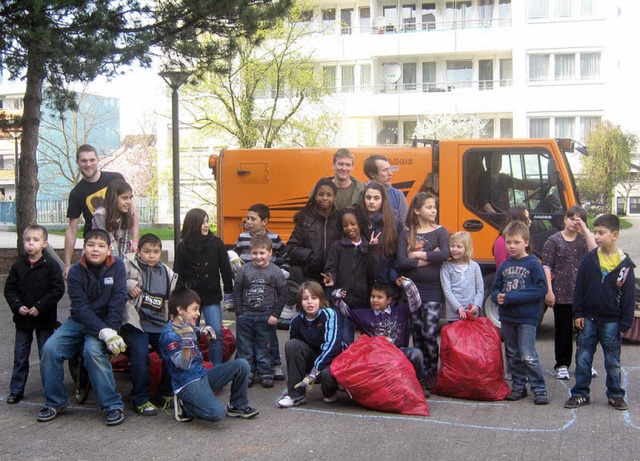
(283, 179)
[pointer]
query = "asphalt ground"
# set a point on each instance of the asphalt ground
(456, 429)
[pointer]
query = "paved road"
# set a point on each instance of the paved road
(456, 429)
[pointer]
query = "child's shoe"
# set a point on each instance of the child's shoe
(267, 383)
(562, 373)
(541, 398)
(576, 401)
(618, 403)
(114, 417)
(278, 374)
(425, 390)
(331, 398)
(245, 413)
(146, 409)
(516, 395)
(12, 399)
(288, 402)
(178, 411)
(47, 414)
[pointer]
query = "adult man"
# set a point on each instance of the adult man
(349, 188)
(85, 197)
(378, 169)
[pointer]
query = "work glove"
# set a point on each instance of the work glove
(209, 332)
(187, 335)
(234, 261)
(308, 381)
(227, 302)
(114, 342)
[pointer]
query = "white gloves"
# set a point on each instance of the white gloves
(114, 342)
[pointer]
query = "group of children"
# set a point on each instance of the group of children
(358, 258)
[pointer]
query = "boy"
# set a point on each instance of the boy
(193, 384)
(259, 294)
(97, 287)
(33, 288)
(519, 290)
(388, 319)
(149, 283)
(562, 253)
(258, 216)
(603, 305)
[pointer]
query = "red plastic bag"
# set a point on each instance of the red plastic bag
(471, 365)
(155, 371)
(379, 376)
(228, 345)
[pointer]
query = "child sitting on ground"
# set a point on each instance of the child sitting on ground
(33, 288)
(193, 384)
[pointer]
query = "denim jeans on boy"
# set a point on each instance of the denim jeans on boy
(198, 396)
(65, 343)
(253, 336)
(608, 335)
(520, 346)
(213, 318)
(21, 351)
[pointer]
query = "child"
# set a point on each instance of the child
(116, 217)
(515, 213)
(316, 228)
(149, 283)
(194, 386)
(461, 279)
(258, 216)
(97, 287)
(314, 341)
(352, 264)
(375, 204)
(422, 248)
(562, 253)
(33, 288)
(258, 297)
(519, 289)
(201, 259)
(603, 305)
(388, 319)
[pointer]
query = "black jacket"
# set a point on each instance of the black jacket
(608, 299)
(40, 285)
(200, 263)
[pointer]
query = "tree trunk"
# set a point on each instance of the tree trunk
(27, 187)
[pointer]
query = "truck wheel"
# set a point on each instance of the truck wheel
(490, 308)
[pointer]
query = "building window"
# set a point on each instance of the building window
(485, 74)
(409, 17)
(346, 21)
(565, 127)
(458, 14)
(506, 128)
(538, 67)
(365, 76)
(306, 18)
(589, 66)
(429, 16)
(390, 15)
(409, 78)
(565, 66)
(587, 7)
(504, 7)
(485, 12)
(408, 128)
(348, 80)
(587, 125)
(329, 78)
(328, 19)
(506, 72)
(389, 133)
(620, 206)
(538, 9)
(634, 205)
(563, 8)
(365, 20)
(428, 76)
(539, 127)
(486, 131)
(459, 74)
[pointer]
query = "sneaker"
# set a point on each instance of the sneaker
(430, 381)
(562, 373)
(47, 413)
(13, 399)
(576, 401)
(541, 398)
(147, 409)
(178, 411)
(516, 395)
(425, 391)
(330, 399)
(278, 374)
(245, 413)
(288, 402)
(594, 373)
(267, 383)
(618, 403)
(114, 417)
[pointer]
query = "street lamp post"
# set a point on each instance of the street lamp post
(175, 79)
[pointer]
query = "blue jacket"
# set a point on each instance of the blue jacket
(610, 298)
(322, 334)
(170, 348)
(98, 303)
(525, 284)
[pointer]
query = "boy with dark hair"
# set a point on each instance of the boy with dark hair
(97, 287)
(149, 283)
(33, 288)
(519, 289)
(193, 384)
(603, 305)
(259, 294)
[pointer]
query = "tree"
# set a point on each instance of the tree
(450, 126)
(55, 42)
(266, 83)
(609, 161)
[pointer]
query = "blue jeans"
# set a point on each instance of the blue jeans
(21, 352)
(520, 346)
(213, 318)
(253, 336)
(608, 335)
(64, 344)
(198, 396)
(414, 355)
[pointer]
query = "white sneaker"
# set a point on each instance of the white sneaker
(288, 402)
(178, 410)
(562, 373)
(594, 373)
(331, 399)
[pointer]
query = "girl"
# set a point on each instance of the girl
(352, 265)
(515, 213)
(316, 228)
(381, 221)
(461, 279)
(116, 217)
(422, 248)
(314, 342)
(201, 259)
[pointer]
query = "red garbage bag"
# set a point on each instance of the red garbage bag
(471, 365)
(228, 345)
(155, 371)
(379, 376)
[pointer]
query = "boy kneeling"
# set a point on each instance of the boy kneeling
(193, 384)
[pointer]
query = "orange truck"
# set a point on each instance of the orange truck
(503, 172)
